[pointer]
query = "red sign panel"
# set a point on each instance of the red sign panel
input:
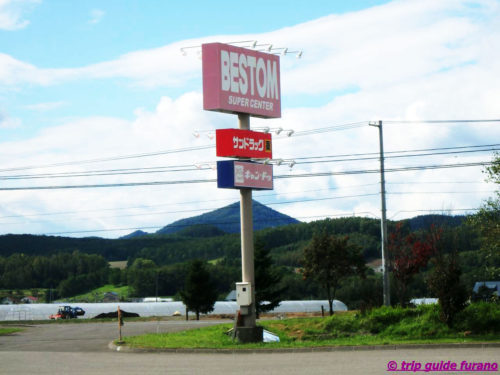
(237, 143)
(240, 80)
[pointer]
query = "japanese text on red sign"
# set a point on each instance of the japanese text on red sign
(251, 144)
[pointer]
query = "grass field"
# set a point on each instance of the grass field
(8, 331)
(96, 295)
(381, 326)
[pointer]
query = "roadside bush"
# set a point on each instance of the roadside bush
(377, 320)
(425, 323)
(479, 317)
(342, 323)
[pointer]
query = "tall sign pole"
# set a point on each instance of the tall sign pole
(383, 221)
(247, 83)
(247, 250)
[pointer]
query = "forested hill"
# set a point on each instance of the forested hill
(227, 219)
(204, 241)
(47, 245)
(425, 221)
(70, 266)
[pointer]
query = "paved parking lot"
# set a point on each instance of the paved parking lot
(83, 349)
(87, 337)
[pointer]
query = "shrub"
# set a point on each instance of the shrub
(444, 282)
(378, 319)
(425, 323)
(480, 317)
(343, 323)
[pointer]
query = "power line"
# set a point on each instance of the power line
(435, 210)
(367, 171)
(208, 209)
(302, 175)
(440, 121)
(401, 151)
(186, 149)
(231, 200)
(328, 129)
(191, 167)
(396, 156)
(333, 128)
(106, 172)
(237, 221)
(434, 182)
(98, 160)
(185, 202)
(124, 184)
(439, 192)
(211, 208)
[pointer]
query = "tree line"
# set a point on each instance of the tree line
(465, 250)
(163, 270)
(67, 273)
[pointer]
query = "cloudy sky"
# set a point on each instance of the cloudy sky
(99, 93)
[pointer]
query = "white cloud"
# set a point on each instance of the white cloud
(8, 122)
(11, 13)
(15, 72)
(44, 107)
(403, 41)
(406, 59)
(170, 126)
(96, 16)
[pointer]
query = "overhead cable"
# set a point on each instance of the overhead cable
(301, 175)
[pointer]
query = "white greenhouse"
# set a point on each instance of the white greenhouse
(144, 309)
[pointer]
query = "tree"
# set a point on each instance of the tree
(142, 277)
(199, 294)
(329, 259)
(268, 293)
(362, 293)
(487, 222)
(444, 282)
(408, 256)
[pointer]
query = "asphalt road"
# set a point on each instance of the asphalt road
(87, 337)
(83, 349)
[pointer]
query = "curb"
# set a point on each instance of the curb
(127, 349)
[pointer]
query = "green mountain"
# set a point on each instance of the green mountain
(203, 237)
(73, 265)
(227, 219)
(137, 233)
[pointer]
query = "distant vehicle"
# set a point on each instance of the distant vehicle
(67, 312)
(79, 311)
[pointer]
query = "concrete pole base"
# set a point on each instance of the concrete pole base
(249, 334)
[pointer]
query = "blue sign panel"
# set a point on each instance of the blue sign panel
(234, 174)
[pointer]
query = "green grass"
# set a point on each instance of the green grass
(383, 326)
(215, 261)
(98, 294)
(8, 331)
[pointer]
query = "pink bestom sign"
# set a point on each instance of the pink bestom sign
(240, 80)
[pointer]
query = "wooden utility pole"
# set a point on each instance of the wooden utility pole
(120, 324)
